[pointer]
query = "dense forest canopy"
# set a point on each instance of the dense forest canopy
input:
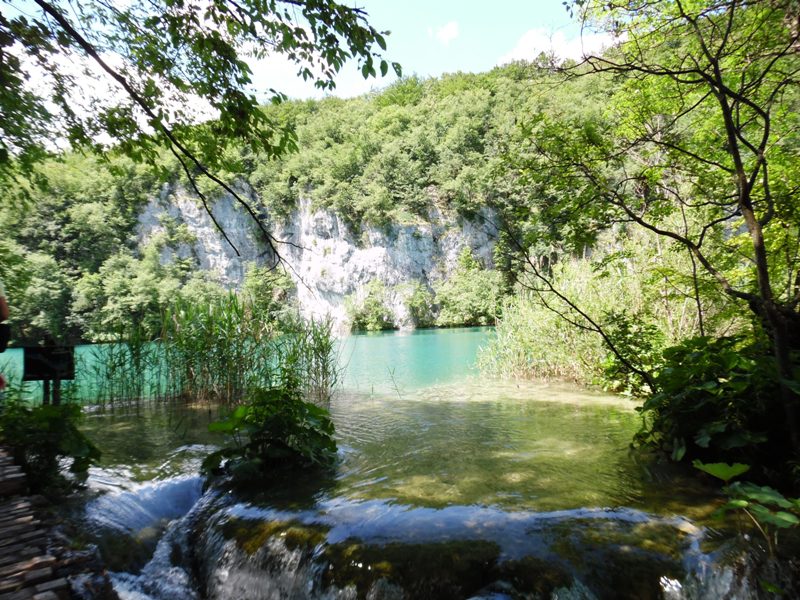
(418, 146)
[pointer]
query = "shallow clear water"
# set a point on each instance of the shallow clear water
(399, 362)
(485, 443)
(437, 466)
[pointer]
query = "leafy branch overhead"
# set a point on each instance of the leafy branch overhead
(145, 76)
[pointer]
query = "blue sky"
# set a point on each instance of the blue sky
(438, 36)
(431, 37)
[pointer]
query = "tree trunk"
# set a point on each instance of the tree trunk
(781, 333)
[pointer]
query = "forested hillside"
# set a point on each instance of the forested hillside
(79, 272)
(614, 241)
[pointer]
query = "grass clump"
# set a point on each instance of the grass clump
(215, 351)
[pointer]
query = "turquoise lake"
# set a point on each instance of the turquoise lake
(381, 362)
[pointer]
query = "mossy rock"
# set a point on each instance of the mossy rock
(437, 570)
(251, 534)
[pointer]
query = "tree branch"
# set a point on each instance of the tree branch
(157, 122)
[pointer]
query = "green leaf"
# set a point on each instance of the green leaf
(678, 449)
(762, 494)
(740, 439)
(780, 519)
(225, 426)
(702, 438)
(770, 587)
(785, 519)
(792, 385)
(722, 471)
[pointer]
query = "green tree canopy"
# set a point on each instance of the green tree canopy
(696, 142)
(131, 76)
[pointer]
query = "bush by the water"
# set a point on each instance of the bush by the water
(715, 400)
(371, 312)
(41, 437)
(534, 339)
(274, 428)
(631, 287)
(471, 295)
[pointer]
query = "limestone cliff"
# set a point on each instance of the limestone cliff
(326, 259)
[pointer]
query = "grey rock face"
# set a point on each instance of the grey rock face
(327, 261)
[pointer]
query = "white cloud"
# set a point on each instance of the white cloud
(535, 41)
(446, 33)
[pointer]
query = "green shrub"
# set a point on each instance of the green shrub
(637, 288)
(372, 312)
(471, 295)
(420, 305)
(768, 509)
(273, 429)
(640, 343)
(532, 342)
(41, 437)
(713, 400)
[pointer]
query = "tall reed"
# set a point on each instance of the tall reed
(215, 351)
(625, 279)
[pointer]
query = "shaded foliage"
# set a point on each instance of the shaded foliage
(41, 437)
(715, 401)
(272, 429)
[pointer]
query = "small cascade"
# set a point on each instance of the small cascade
(226, 549)
(391, 552)
(146, 505)
(168, 574)
(141, 531)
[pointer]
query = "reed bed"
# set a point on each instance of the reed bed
(214, 352)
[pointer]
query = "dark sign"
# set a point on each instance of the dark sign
(50, 363)
(5, 336)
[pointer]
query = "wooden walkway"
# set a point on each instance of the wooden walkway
(27, 570)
